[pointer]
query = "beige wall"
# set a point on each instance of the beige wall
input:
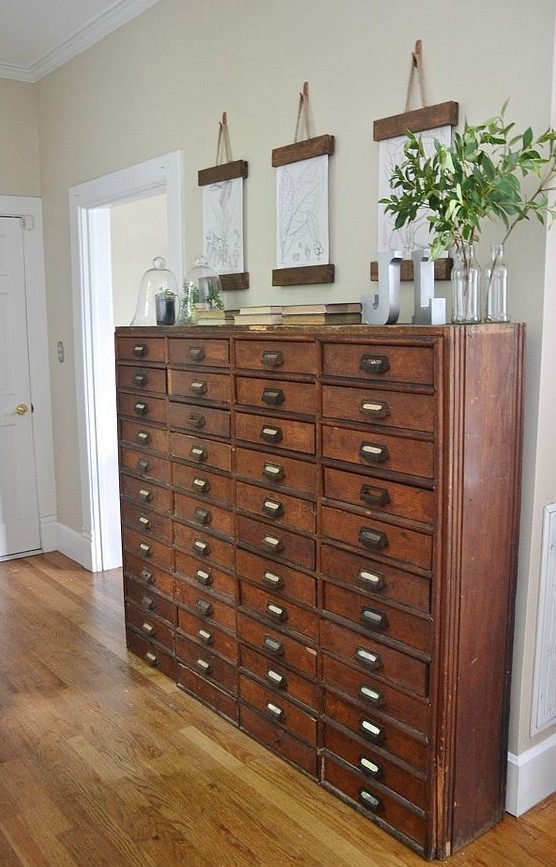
(162, 82)
(19, 139)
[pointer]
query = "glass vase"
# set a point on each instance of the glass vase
(496, 287)
(466, 284)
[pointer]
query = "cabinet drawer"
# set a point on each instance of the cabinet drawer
(208, 548)
(206, 664)
(147, 493)
(279, 678)
(191, 417)
(378, 618)
(278, 709)
(205, 575)
(279, 471)
(154, 655)
(203, 483)
(277, 541)
(372, 799)
(150, 601)
(379, 579)
(142, 378)
(151, 628)
(370, 656)
(207, 453)
(206, 515)
(202, 351)
(279, 740)
(297, 436)
(396, 740)
(380, 495)
(280, 507)
(388, 408)
(276, 355)
(278, 646)
(378, 451)
(368, 534)
(298, 397)
(146, 464)
(222, 702)
(277, 578)
(409, 364)
(206, 606)
(146, 521)
(207, 634)
(280, 613)
(143, 406)
(141, 348)
(150, 576)
(375, 765)
(200, 384)
(148, 549)
(146, 435)
(375, 695)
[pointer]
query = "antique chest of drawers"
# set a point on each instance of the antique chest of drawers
(320, 542)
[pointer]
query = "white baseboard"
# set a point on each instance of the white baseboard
(75, 546)
(49, 533)
(531, 777)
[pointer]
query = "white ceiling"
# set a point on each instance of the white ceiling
(37, 36)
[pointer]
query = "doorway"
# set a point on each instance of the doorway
(90, 215)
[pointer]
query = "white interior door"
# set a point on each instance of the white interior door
(19, 513)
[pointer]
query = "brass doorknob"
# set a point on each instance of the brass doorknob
(21, 408)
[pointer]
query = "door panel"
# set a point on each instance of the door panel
(19, 516)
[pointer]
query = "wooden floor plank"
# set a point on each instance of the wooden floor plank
(103, 761)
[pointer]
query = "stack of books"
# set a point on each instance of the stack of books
(266, 314)
(340, 313)
(211, 317)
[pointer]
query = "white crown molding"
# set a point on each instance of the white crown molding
(95, 30)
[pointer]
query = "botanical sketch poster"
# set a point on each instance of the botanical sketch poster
(391, 154)
(223, 225)
(302, 213)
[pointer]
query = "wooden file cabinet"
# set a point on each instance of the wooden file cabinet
(320, 541)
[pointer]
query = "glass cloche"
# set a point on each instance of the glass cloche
(158, 300)
(203, 287)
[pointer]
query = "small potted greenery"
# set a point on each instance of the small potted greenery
(488, 173)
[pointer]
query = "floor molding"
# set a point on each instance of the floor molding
(531, 777)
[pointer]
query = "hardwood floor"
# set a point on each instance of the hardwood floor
(103, 761)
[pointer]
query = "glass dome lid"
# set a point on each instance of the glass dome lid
(204, 286)
(159, 282)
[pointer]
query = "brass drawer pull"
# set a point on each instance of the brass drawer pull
(373, 496)
(203, 607)
(205, 636)
(140, 350)
(147, 576)
(371, 801)
(371, 731)
(203, 666)
(374, 363)
(374, 453)
(271, 434)
(374, 408)
(145, 495)
(141, 408)
(368, 658)
(200, 547)
(203, 577)
(371, 580)
(151, 658)
(372, 695)
(276, 613)
(273, 646)
(198, 454)
(145, 550)
(272, 579)
(275, 711)
(202, 485)
(144, 522)
(374, 620)
(272, 358)
(143, 465)
(273, 543)
(198, 387)
(147, 602)
(272, 508)
(140, 379)
(148, 629)
(276, 679)
(273, 396)
(373, 539)
(196, 420)
(203, 516)
(274, 472)
(144, 437)
(196, 353)
(370, 768)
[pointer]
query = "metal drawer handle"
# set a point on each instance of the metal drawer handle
(143, 465)
(372, 695)
(199, 484)
(141, 408)
(277, 613)
(374, 408)
(147, 602)
(373, 539)
(368, 658)
(147, 576)
(370, 801)
(145, 495)
(151, 658)
(200, 547)
(273, 543)
(274, 472)
(196, 353)
(371, 730)
(370, 768)
(275, 711)
(140, 350)
(374, 620)
(273, 396)
(198, 454)
(196, 420)
(145, 550)
(140, 379)
(144, 522)
(373, 496)
(272, 358)
(144, 437)
(273, 646)
(203, 577)
(203, 607)
(374, 363)
(203, 516)
(148, 629)
(371, 580)
(205, 636)
(276, 679)
(272, 508)
(203, 666)
(374, 453)
(272, 579)
(198, 387)
(271, 434)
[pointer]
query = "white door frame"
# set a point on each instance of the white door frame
(94, 336)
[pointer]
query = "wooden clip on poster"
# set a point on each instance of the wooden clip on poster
(223, 213)
(302, 243)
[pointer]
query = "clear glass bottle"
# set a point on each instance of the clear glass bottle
(466, 287)
(496, 287)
